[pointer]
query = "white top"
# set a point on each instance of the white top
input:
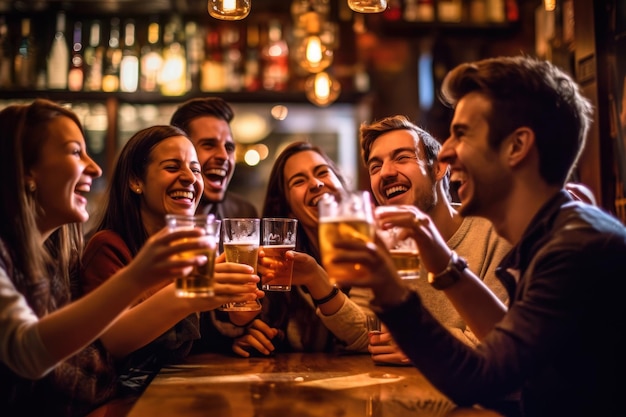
(21, 348)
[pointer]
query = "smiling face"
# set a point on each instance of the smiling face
(307, 178)
(482, 173)
(63, 176)
(399, 174)
(172, 184)
(214, 143)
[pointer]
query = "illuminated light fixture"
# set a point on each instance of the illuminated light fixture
(368, 6)
(322, 89)
(550, 5)
(229, 9)
(314, 55)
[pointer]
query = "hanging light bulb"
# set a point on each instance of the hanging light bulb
(322, 89)
(313, 55)
(314, 52)
(229, 9)
(368, 6)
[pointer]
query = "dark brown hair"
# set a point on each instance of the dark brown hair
(42, 275)
(122, 212)
(528, 92)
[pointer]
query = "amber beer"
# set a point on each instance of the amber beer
(199, 283)
(278, 278)
(242, 253)
(407, 262)
(332, 229)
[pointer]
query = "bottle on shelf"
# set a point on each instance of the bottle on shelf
(129, 65)
(252, 76)
(112, 59)
(173, 79)
(151, 59)
(59, 57)
(6, 55)
(94, 59)
(233, 59)
(25, 63)
(213, 77)
(76, 74)
(195, 53)
(275, 55)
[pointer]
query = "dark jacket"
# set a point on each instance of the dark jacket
(217, 332)
(560, 342)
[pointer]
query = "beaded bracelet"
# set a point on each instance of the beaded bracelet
(333, 294)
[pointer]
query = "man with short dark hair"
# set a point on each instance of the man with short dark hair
(518, 129)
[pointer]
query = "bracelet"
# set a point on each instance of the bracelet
(333, 294)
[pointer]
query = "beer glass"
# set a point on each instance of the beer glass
(404, 252)
(199, 283)
(348, 217)
(241, 245)
(279, 236)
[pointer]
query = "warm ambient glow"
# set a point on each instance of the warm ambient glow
(315, 56)
(550, 5)
(368, 6)
(322, 89)
(229, 9)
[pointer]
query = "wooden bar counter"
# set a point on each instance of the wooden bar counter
(286, 385)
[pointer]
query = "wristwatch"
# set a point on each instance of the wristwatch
(450, 275)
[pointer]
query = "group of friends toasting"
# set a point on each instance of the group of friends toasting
(517, 307)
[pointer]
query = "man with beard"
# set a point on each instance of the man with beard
(401, 160)
(206, 121)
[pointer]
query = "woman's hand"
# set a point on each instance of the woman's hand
(232, 283)
(157, 262)
(385, 351)
(258, 339)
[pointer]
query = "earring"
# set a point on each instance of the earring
(32, 187)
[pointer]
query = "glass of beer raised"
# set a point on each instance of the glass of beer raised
(241, 245)
(279, 236)
(404, 252)
(199, 283)
(347, 217)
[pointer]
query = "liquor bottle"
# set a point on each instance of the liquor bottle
(129, 65)
(173, 79)
(449, 11)
(59, 57)
(112, 59)
(213, 71)
(275, 59)
(252, 75)
(151, 59)
(195, 53)
(94, 57)
(25, 63)
(233, 60)
(76, 74)
(6, 55)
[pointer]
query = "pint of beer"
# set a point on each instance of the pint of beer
(347, 217)
(279, 236)
(199, 283)
(241, 245)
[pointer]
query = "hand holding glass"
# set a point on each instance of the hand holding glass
(351, 217)
(199, 283)
(279, 236)
(241, 245)
(404, 252)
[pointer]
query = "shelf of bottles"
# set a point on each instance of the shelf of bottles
(148, 58)
(169, 57)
